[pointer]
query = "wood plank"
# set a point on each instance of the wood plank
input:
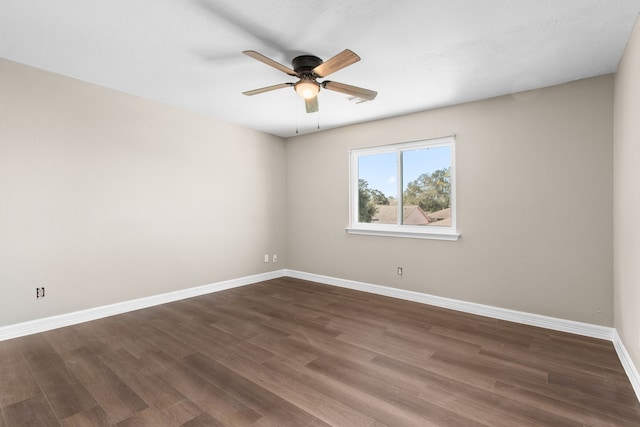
(564, 409)
(204, 420)
(94, 417)
(320, 406)
(248, 392)
(68, 399)
(384, 412)
(117, 399)
(390, 393)
(493, 368)
(34, 411)
(176, 415)
(210, 398)
(589, 404)
(16, 381)
(150, 388)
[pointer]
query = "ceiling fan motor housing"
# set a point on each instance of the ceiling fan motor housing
(304, 64)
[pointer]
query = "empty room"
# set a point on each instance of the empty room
(321, 213)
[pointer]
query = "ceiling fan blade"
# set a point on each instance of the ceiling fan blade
(267, 89)
(358, 92)
(311, 104)
(260, 57)
(338, 62)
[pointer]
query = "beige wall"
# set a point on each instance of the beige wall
(534, 204)
(627, 198)
(105, 197)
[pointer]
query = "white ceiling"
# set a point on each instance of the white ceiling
(418, 54)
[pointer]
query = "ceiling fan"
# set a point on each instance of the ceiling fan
(308, 68)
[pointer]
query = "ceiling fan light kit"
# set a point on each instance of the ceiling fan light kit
(308, 68)
(307, 88)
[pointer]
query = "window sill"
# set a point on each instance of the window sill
(405, 233)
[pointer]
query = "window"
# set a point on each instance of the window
(404, 190)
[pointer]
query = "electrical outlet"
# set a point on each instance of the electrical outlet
(274, 258)
(399, 271)
(266, 257)
(40, 292)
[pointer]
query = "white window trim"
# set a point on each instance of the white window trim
(394, 230)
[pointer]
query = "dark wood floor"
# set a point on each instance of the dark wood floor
(293, 353)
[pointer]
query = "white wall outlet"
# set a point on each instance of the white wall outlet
(266, 257)
(274, 258)
(399, 271)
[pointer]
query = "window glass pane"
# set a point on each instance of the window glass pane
(426, 186)
(378, 188)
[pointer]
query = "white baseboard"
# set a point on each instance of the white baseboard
(54, 322)
(556, 324)
(627, 363)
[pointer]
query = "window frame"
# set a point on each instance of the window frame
(401, 230)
